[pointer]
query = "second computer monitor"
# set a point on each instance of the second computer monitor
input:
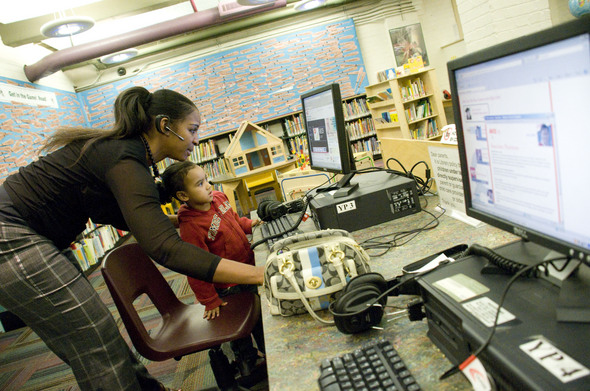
(328, 143)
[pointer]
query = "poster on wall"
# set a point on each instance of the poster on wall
(408, 42)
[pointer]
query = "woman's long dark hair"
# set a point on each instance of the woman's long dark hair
(135, 109)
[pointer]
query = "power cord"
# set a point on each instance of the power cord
(423, 185)
(398, 237)
(520, 272)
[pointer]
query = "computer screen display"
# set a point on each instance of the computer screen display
(328, 142)
(523, 127)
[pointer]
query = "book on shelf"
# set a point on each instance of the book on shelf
(389, 116)
(385, 95)
(387, 74)
(420, 130)
(393, 115)
(374, 99)
(432, 128)
(294, 126)
(96, 240)
(356, 107)
(360, 128)
(420, 111)
(369, 145)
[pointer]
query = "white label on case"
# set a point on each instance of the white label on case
(485, 310)
(554, 360)
(345, 207)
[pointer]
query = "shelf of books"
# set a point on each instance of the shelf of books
(294, 125)
(205, 151)
(94, 242)
(370, 145)
(355, 107)
(407, 106)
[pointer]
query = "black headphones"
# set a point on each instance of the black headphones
(271, 210)
(358, 309)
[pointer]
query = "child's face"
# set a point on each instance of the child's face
(197, 189)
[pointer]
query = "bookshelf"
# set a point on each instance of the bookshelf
(360, 126)
(290, 128)
(407, 107)
(92, 244)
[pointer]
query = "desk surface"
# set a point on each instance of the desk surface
(295, 346)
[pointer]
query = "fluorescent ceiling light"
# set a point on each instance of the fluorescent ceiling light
(254, 2)
(64, 27)
(33, 8)
(305, 5)
(118, 57)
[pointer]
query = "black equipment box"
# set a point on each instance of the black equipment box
(531, 350)
(379, 197)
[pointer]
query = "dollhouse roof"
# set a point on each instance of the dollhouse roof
(250, 136)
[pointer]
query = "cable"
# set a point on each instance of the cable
(423, 185)
(306, 198)
(455, 368)
(280, 234)
(374, 243)
(385, 293)
(419, 182)
(503, 263)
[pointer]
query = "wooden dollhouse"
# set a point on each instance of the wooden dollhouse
(253, 149)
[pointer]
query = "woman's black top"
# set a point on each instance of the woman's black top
(111, 184)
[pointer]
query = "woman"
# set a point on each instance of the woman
(105, 176)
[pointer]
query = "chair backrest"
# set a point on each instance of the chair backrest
(129, 273)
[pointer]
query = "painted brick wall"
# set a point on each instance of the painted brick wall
(487, 22)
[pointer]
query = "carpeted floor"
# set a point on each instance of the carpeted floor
(27, 364)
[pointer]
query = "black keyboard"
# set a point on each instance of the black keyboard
(277, 226)
(372, 367)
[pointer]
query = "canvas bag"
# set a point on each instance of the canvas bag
(305, 272)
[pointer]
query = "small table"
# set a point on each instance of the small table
(231, 184)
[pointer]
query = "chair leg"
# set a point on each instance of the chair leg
(223, 371)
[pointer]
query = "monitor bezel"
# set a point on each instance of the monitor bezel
(531, 41)
(344, 147)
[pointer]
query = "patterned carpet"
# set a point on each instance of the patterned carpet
(27, 364)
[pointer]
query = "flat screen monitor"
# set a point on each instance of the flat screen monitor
(523, 129)
(327, 138)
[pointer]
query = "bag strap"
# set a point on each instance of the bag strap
(308, 236)
(287, 272)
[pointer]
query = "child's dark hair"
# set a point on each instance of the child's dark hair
(173, 177)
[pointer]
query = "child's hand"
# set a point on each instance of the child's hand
(214, 313)
(255, 223)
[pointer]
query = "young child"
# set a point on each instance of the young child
(207, 220)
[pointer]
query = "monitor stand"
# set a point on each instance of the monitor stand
(342, 188)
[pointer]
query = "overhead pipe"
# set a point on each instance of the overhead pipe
(88, 51)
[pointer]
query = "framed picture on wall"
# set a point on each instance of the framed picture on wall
(408, 42)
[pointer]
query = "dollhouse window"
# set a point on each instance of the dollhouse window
(239, 161)
(276, 150)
